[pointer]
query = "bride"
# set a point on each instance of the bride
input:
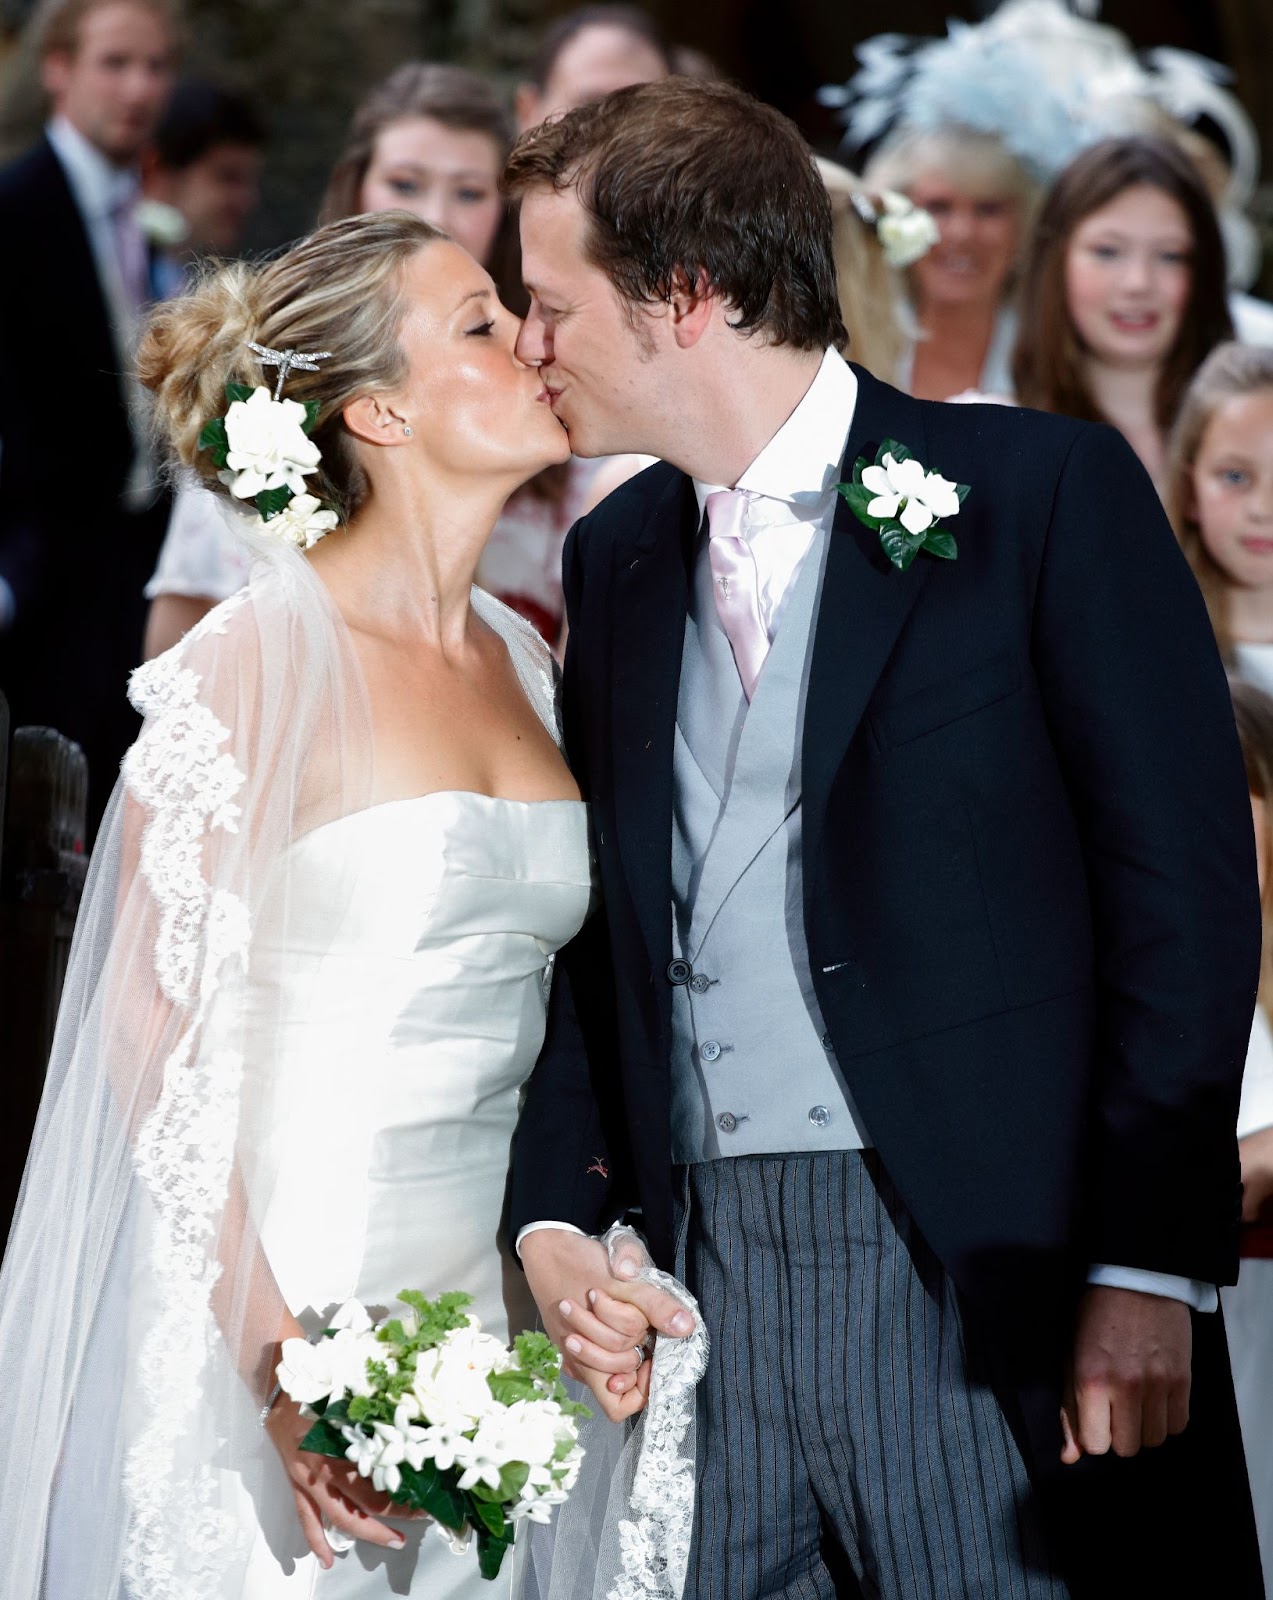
(308, 978)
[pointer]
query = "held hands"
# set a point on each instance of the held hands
(328, 1493)
(1129, 1382)
(598, 1316)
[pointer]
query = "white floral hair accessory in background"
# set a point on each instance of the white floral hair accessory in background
(905, 231)
(263, 450)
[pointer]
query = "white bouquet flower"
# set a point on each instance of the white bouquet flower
(441, 1416)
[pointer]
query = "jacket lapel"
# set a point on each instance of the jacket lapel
(651, 599)
(865, 602)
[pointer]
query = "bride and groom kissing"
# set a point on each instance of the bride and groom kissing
(905, 951)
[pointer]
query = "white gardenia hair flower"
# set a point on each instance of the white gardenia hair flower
(268, 445)
(903, 489)
(303, 521)
(905, 231)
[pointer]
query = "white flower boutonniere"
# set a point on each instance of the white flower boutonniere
(161, 223)
(904, 503)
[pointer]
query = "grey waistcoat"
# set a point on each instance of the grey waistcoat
(752, 1069)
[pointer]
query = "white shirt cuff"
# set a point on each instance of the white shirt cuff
(1201, 1296)
(534, 1227)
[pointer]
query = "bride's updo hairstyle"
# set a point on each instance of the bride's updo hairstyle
(339, 289)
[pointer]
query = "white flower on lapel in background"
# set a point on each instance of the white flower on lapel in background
(161, 223)
(268, 445)
(903, 489)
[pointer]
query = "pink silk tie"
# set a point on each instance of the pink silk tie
(736, 585)
(130, 247)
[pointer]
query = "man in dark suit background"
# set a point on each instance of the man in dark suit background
(81, 514)
(913, 1024)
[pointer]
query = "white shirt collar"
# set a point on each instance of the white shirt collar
(801, 463)
(99, 186)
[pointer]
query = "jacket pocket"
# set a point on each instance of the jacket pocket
(939, 704)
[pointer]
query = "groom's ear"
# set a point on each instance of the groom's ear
(372, 419)
(690, 307)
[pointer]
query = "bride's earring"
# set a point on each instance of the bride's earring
(406, 429)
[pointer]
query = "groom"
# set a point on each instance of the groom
(914, 1020)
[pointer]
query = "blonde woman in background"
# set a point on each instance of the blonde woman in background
(872, 291)
(983, 200)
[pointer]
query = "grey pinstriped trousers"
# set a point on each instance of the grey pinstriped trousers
(837, 1405)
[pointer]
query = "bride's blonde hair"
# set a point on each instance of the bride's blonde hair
(339, 289)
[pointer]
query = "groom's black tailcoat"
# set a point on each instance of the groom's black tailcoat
(1031, 913)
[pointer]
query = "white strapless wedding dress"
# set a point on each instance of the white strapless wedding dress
(405, 1018)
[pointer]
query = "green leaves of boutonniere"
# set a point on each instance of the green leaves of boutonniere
(904, 503)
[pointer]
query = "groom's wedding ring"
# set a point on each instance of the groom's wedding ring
(642, 1355)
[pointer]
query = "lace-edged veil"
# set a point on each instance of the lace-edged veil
(138, 1316)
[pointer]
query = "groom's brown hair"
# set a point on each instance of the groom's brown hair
(699, 179)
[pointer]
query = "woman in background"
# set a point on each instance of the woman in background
(868, 272)
(982, 199)
(1123, 295)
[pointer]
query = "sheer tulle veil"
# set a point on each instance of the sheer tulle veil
(137, 1311)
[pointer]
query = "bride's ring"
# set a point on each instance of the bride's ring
(642, 1355)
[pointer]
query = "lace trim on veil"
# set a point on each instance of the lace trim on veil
(179, 1539)
(654, 1546)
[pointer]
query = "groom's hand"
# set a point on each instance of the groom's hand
(597, 1319)
(1129, 1383)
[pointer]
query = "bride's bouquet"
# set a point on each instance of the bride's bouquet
(442, 1417)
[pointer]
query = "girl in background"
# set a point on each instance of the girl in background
(1248, 1305)
(1123, 294)
(1219, 497)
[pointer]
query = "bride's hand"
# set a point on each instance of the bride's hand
(329, 1492)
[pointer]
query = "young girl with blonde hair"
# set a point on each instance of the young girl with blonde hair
(1219, 495)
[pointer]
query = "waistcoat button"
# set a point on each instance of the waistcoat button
(819, 1116)
(827, 1042)
(710, 1051)
(727, 1122)
(679, 972)
(700, 984)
